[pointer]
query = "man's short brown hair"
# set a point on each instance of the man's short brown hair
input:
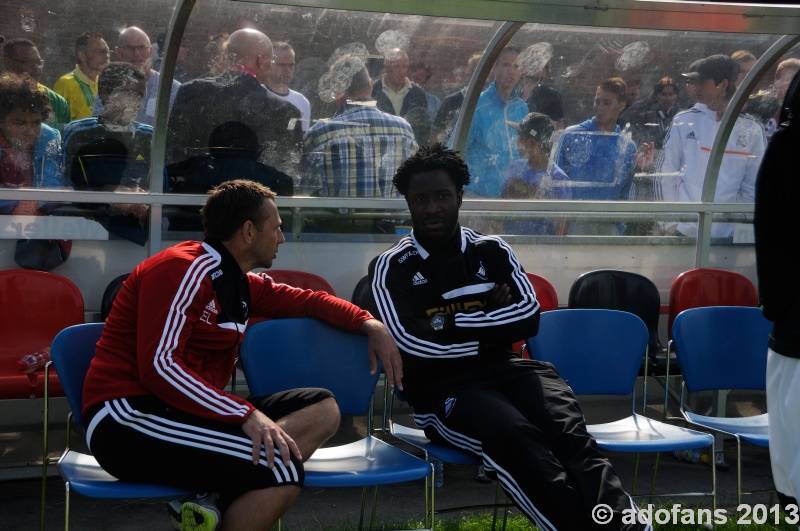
(232, 203)
(83, 40)
(615, 85)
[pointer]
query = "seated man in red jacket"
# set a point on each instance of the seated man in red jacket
(154, 398)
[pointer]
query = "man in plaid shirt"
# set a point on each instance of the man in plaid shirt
(357, 151)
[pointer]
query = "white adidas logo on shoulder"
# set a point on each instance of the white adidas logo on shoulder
(419, 279)
(212, 307)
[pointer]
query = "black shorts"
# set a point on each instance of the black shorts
(144, 439)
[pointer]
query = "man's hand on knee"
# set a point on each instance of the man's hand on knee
(264, 432)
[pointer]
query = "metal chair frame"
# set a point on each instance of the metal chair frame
(599, 352)
(698, 288)
(336, 360)
(711, 339)
(447, 454)
(71, 353)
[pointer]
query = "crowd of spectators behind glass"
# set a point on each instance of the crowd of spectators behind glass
(521, 82)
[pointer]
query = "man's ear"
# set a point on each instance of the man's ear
(460, 194)
(248, 231)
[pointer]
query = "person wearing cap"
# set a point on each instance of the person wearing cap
(598, 158)
(691, 93)
(133, 46)
(111, 152)
(534, 176)
(687, 147)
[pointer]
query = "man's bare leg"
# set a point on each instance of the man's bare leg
(311, 426)
(259, 509)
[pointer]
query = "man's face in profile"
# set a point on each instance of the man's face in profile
(25, 60)
(434, 202)
(95, 55)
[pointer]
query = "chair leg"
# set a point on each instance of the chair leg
(655, 473)
(45, 442)
(430, 505)
(497, 494)
(363, 503)
(374, 507)
(429, 484)
(45, 462)
(66, 506)
(505, 513)
(738, 470)
(635, 474)
(713, 479)
(496, 506)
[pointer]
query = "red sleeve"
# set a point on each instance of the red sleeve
(273, 300)
(171, 300)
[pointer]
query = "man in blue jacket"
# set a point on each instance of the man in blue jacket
(598, 158)
(492, 143)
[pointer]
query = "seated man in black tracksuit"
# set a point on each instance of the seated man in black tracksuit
(454, 301)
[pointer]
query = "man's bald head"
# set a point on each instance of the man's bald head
(132, 33)
(133, 46)
(251, 49)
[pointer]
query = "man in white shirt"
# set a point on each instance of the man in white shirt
(687, 148)
(281, 74)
